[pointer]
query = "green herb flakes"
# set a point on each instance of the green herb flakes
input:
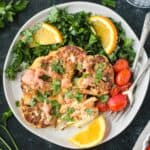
(32, 102)
(104, 98)
(55, 107)
(89, 111)
(66, 117)
(56, 87)
(99, 72)
(44, 77)
(78, 96)
(57, 67)
(17, 103)
(70, 110)
(42, 97)
(69, 94)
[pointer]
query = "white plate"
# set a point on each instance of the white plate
(13, 91)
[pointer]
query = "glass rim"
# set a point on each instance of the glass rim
(136, 5)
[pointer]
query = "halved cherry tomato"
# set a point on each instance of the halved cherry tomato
(148, 147)
(117, 103)
(125, 87)
(121, 64)
(123, 77)
(102, 107)
(115, 90)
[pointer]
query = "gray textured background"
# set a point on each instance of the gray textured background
(27, 141)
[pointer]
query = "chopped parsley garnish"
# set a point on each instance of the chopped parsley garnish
(56, 87)
(44, 65)
(89, 111)
(78, 96)
(104, 98)
(69, 94)
(70, 110)
(79, 66)
(99, 72)
(42, 97)
(33, 102)
(44, 77)
(55, 107)
(110, 3)
(66, 117)
(85, 75)
(75, 80)
(17, 103)
(9, 9)
(57, 67)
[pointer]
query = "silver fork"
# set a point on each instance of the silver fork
(130, 91)
(144, 35)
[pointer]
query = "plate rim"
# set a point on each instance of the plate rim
(7, 59)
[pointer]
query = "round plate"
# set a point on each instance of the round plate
(13, 91)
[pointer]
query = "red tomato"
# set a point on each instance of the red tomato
(123, 77)
(102, 107)
(148, 147)
(125, 87)
(121, 64)
(115, 90)
(117, 103)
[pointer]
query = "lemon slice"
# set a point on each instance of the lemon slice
(91, 135)
(107, 32)
(47, 34)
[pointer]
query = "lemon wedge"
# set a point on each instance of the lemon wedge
(92, 135)
(47, 34)
(107, 32)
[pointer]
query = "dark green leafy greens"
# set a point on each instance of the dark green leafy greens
(124, 47)
(76, 30)
(8, 9)
(110, 3)
(3, 125)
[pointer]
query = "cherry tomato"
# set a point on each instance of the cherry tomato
(121, 64)
(117, 103)
(115, 90)
(148, 147)
(123, 77)
(125, 87)
(102, 107)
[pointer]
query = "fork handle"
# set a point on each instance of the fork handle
(145, 68)
(144, 35)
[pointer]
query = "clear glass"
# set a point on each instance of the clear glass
(140, 3)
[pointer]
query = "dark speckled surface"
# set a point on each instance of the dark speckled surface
(26, 140)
